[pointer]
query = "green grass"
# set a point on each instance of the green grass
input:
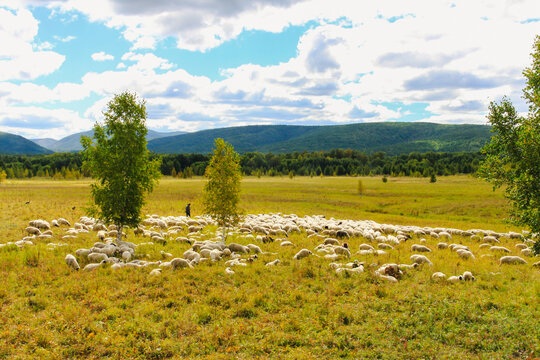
(297, 310)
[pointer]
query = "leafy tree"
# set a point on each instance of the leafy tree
(513, 155)
(119, 160)
(3, 175)
(433, 178)
(221, 193)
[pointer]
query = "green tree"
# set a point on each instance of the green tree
(119, 161)
(513, 155)
(221, 193)
(3, 175)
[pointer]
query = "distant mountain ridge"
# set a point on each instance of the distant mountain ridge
(390, 137)
(15, 144)
(72, 143)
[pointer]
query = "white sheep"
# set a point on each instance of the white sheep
(302, 254)
(454, 279)
(178, 263)
(465, 254)
(355, 270)
(93, 266)
(155, 272)
(420, 248)
(514, 260)
(286, 243)
(468, 276)
(229, 271)
(420, 259)
(343, 251)
(126, 255)
(499, 248)
(273, 263)
(72, 262)
(438, 276)
(97, 257)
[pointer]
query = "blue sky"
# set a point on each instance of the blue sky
(210, 64)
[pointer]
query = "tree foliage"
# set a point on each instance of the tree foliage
(118, 159)
(513, 155)
(222, 191)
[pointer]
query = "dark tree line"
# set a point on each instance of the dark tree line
(335, 162)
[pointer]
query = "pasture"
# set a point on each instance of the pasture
(299, 309)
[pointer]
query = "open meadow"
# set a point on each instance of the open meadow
(298, 309)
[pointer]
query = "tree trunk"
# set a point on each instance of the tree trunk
(119, 234)
(224, 236)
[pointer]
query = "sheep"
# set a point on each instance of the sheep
(63, 221)
(118, 266)
(465, 254)
(386, 277)
(235, 262)
(72, 262)
(521, 246)
(126, 255)
(155, 272)
(97, 257)
(55, 223)
(33, 230)
(438, 276)
(229, 271)
(302, 254)
(420, 248)
(484, 245)
(390, 270)
(514, 260)
(330, 241)
(454, 279)
(442, 245)
(273, 263)
(83, 252)
(468, 276)
(340, 250)
(420, 259)
(178, 263)
(355, 270)
(366, 247)
(254, 248)
(385, 246)
(165, 265)
(408, 267)
(491, 239)
(499, 248)
(238, 248)
(526, 252)
(536, 264)
(165, 255)
(93, 266)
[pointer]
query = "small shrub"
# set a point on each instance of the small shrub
(360, 187)
(384, 179)
(291, 175)
(433, 178)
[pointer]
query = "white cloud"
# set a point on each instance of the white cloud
(18, 59)
(101, 56)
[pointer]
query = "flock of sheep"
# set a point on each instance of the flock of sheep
(373, 241)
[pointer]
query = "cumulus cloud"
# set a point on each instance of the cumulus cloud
(20, 58)
(101, 56)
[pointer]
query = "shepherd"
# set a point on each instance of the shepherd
(188, 210)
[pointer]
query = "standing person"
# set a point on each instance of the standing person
(188, 210)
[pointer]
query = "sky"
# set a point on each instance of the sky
(202, 64)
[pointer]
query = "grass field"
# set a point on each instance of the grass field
(298, 310)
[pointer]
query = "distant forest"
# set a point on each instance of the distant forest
(333, 163)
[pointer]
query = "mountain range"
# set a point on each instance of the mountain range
(390, 137)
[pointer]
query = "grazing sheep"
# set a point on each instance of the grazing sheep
(340, 250)
(526, 252)
(390, 270)
(118, 266)
(355, 270)
(420, 259)
(438, 276)
(536, 264)
(126, 255)
(33, 230)
(155, 272)
(465, 254)
(83, 252)
(55, 223)
(386, 277)
(286, 243)
(63, 221)
(484, 245)
(302, 254)
(511, 260)
(229, 271)
(273, 263)
(72, 262)
(165, 255)
(330, 241)
(408, 267)
(238, 248)
(521, 246)
(91, 267)
(454, 279)
(254, 248)
(366, 247)
(468, 276)
(491, 239)
(178, 263)
(97, 257)
(420, 248)
(499, 248)
(385, 246)
(442, 245)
